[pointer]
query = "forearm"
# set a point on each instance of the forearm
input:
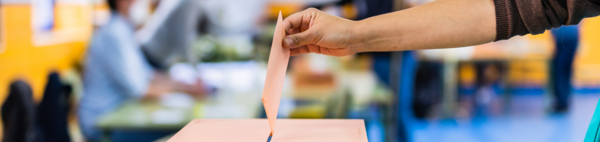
(439, 24)
(163, 84)
(160, 84)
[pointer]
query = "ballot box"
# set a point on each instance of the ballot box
(286, 130)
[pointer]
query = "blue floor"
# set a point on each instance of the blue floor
(527, 121)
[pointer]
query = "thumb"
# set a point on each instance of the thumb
(297, 40)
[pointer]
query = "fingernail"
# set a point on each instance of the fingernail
(287, 42)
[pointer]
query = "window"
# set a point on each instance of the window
(43, 15)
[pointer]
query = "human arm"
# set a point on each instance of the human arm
(124, 63)
(439, 24)
(162, 84)
(442, 23)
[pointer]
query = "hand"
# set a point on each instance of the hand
(197, 89)
(314, 31)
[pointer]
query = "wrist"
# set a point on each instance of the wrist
(358, 38)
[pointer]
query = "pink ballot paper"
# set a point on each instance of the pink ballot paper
(288, 130)
(278, 61)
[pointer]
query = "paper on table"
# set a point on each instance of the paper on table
(278, 61)
(288, 130)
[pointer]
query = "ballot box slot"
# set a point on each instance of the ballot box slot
(269, 139)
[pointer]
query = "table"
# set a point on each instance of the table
(239, 96)
(162, 115)
(139, 115)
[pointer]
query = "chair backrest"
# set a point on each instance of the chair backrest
(18, 114)
(53, 110)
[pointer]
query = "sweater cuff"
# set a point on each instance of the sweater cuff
(501, 20)
(508, 20)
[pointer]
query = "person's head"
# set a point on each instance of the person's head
(120, 6)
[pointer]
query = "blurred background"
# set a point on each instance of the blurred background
(139, 70)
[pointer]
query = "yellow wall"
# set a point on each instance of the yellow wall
(587, 62)
(21, 59)
(586, 67)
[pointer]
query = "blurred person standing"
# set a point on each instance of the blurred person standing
(397, 69)
(116, 71)
(566, 40)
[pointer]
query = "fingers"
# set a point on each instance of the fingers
(299, 21)
(299, 39)
(302, 36)
(299, 50)
(297, 27)
(320, 50)
(314, 48)
(293, 21)
(293, 31)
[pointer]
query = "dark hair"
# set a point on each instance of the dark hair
(112, 4)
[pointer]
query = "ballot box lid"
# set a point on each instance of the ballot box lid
(257, 130)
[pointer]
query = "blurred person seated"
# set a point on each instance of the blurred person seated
(488, 99)
(483, 97)
(116, 71)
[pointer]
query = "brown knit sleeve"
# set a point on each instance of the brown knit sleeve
(520, 17)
